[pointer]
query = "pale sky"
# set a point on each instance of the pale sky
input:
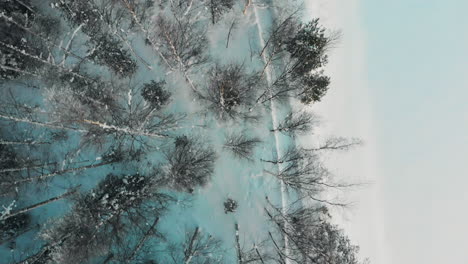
(399, 82)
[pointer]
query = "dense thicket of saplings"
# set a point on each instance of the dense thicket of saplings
(81, 122)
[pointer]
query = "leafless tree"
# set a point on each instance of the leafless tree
(190, 163)
(128, 115)
(101, 219)
(230, 92)
(39, 45)
(291, 154)
(131, 251)
(311, 237)
(7, 213)
(258, 254)
(177, 35)
(337, 143)
(282, 28)
(296, 123)
(181, 41)
(197, 247)
(15, 166)
(241, 145)
(303, 171)
(150, 232)
(20, 176)
(104, 47)
(18, 50)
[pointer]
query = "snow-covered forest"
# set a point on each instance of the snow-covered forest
(165, 131)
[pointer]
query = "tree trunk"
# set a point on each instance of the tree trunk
(26, 167)
(22, 142)
(38, 123)
(212, 9)
(188, 253)
(142, 28)
(10, 20)
(52, 64)
(53, 174)
(143, 240)
(229, 33)
(249, 2)
(259, 255)
(124, 130)
(34, 206)
(278, 250)
(239, 253)
(44, 250)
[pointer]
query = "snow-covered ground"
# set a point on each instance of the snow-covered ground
(248, 183)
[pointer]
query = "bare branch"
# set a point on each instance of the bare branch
(241, 145)
(296, 123)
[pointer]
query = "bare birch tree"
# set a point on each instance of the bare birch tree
(180, 39)
(303, 171)
(258, 254)
(20, 52)
(126, 115)
(311, 236)
(8, 214)
(197, 247)
(337, 143)
(104, 47)
(43, 172)
(102, 218)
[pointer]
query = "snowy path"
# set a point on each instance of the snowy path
(274, 118)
